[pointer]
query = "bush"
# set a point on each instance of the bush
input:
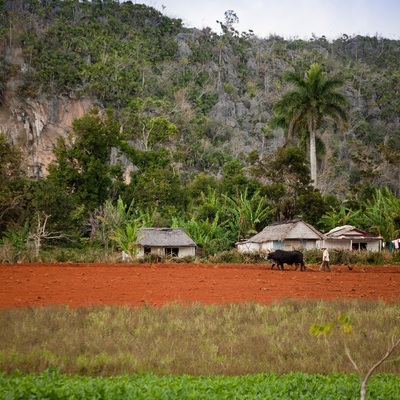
(9, 253)
(347, 257)
(234, 257)
(396, 256)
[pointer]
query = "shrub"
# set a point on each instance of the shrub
(234, 257)
(396, 257)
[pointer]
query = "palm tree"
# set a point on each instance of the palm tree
(314, 98)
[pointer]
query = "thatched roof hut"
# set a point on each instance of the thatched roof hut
(165, 242)
(286, 235)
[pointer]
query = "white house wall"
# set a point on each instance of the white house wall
(339, 244)
(374, 246)
(187, 252)
(346, 244)
(160, 251)
(299, 245)
(276, 244)
(248, 247)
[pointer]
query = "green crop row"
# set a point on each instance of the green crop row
(52, 385)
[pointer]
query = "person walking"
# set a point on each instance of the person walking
(325, 260)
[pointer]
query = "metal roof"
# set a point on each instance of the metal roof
(349, 232)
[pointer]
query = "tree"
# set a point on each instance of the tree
(40, 232)
(234, 179)
(83, 165)
(11, 185)
(46, 197)
(288, 179)
(119, 224)
(230, 18)
(344, 322)
(313, 98)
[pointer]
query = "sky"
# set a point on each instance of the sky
(290, 19)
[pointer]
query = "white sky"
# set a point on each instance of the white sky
(290, 18)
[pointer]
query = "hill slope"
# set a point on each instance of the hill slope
(58, 59)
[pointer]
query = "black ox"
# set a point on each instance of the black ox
(280, 257)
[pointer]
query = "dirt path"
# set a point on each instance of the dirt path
(26, 285)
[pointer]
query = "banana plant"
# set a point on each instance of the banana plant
(382, 214)
(246, 213)
(209, 234)
(341, 216)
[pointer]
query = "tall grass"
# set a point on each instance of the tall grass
(233, 339)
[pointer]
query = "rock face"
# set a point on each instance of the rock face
(34, 126)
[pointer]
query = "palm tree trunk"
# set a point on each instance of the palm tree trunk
(313, 154)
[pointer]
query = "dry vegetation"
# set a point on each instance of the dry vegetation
(198, 340)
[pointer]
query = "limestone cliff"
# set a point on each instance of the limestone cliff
(34, 125)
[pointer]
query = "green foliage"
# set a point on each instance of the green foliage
(341, 216)
(382, 214)
(51, 384)
(47, 197)
(319, 330)
(289, 190)
(82, 167)
(210, 233)
(234, 178)
(17, 238)
(247, 214)
(378, 214)
(126, 237)
(120, 223)
(11, 184)
(128, 58)
(346, 257)
(314, 98)
(343, 322)
(158, 188)
(234, 257)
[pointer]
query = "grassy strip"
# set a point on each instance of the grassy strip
(232, 339)
(51, 385)
(10, 254)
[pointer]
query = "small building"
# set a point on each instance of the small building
(285, 235)
(173, 242)
(349, 237)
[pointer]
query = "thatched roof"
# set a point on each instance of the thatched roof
(164, 237)
(287, 230)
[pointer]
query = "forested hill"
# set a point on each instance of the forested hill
(201, 96)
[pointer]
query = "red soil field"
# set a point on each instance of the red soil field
(28, 285)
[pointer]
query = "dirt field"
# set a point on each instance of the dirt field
(26, 285)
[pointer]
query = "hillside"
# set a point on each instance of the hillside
(61, 58)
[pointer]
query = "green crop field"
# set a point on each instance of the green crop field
(51, 385)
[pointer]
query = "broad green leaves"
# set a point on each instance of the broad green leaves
(268, 386)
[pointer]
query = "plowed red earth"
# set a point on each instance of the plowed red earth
(27, 285)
